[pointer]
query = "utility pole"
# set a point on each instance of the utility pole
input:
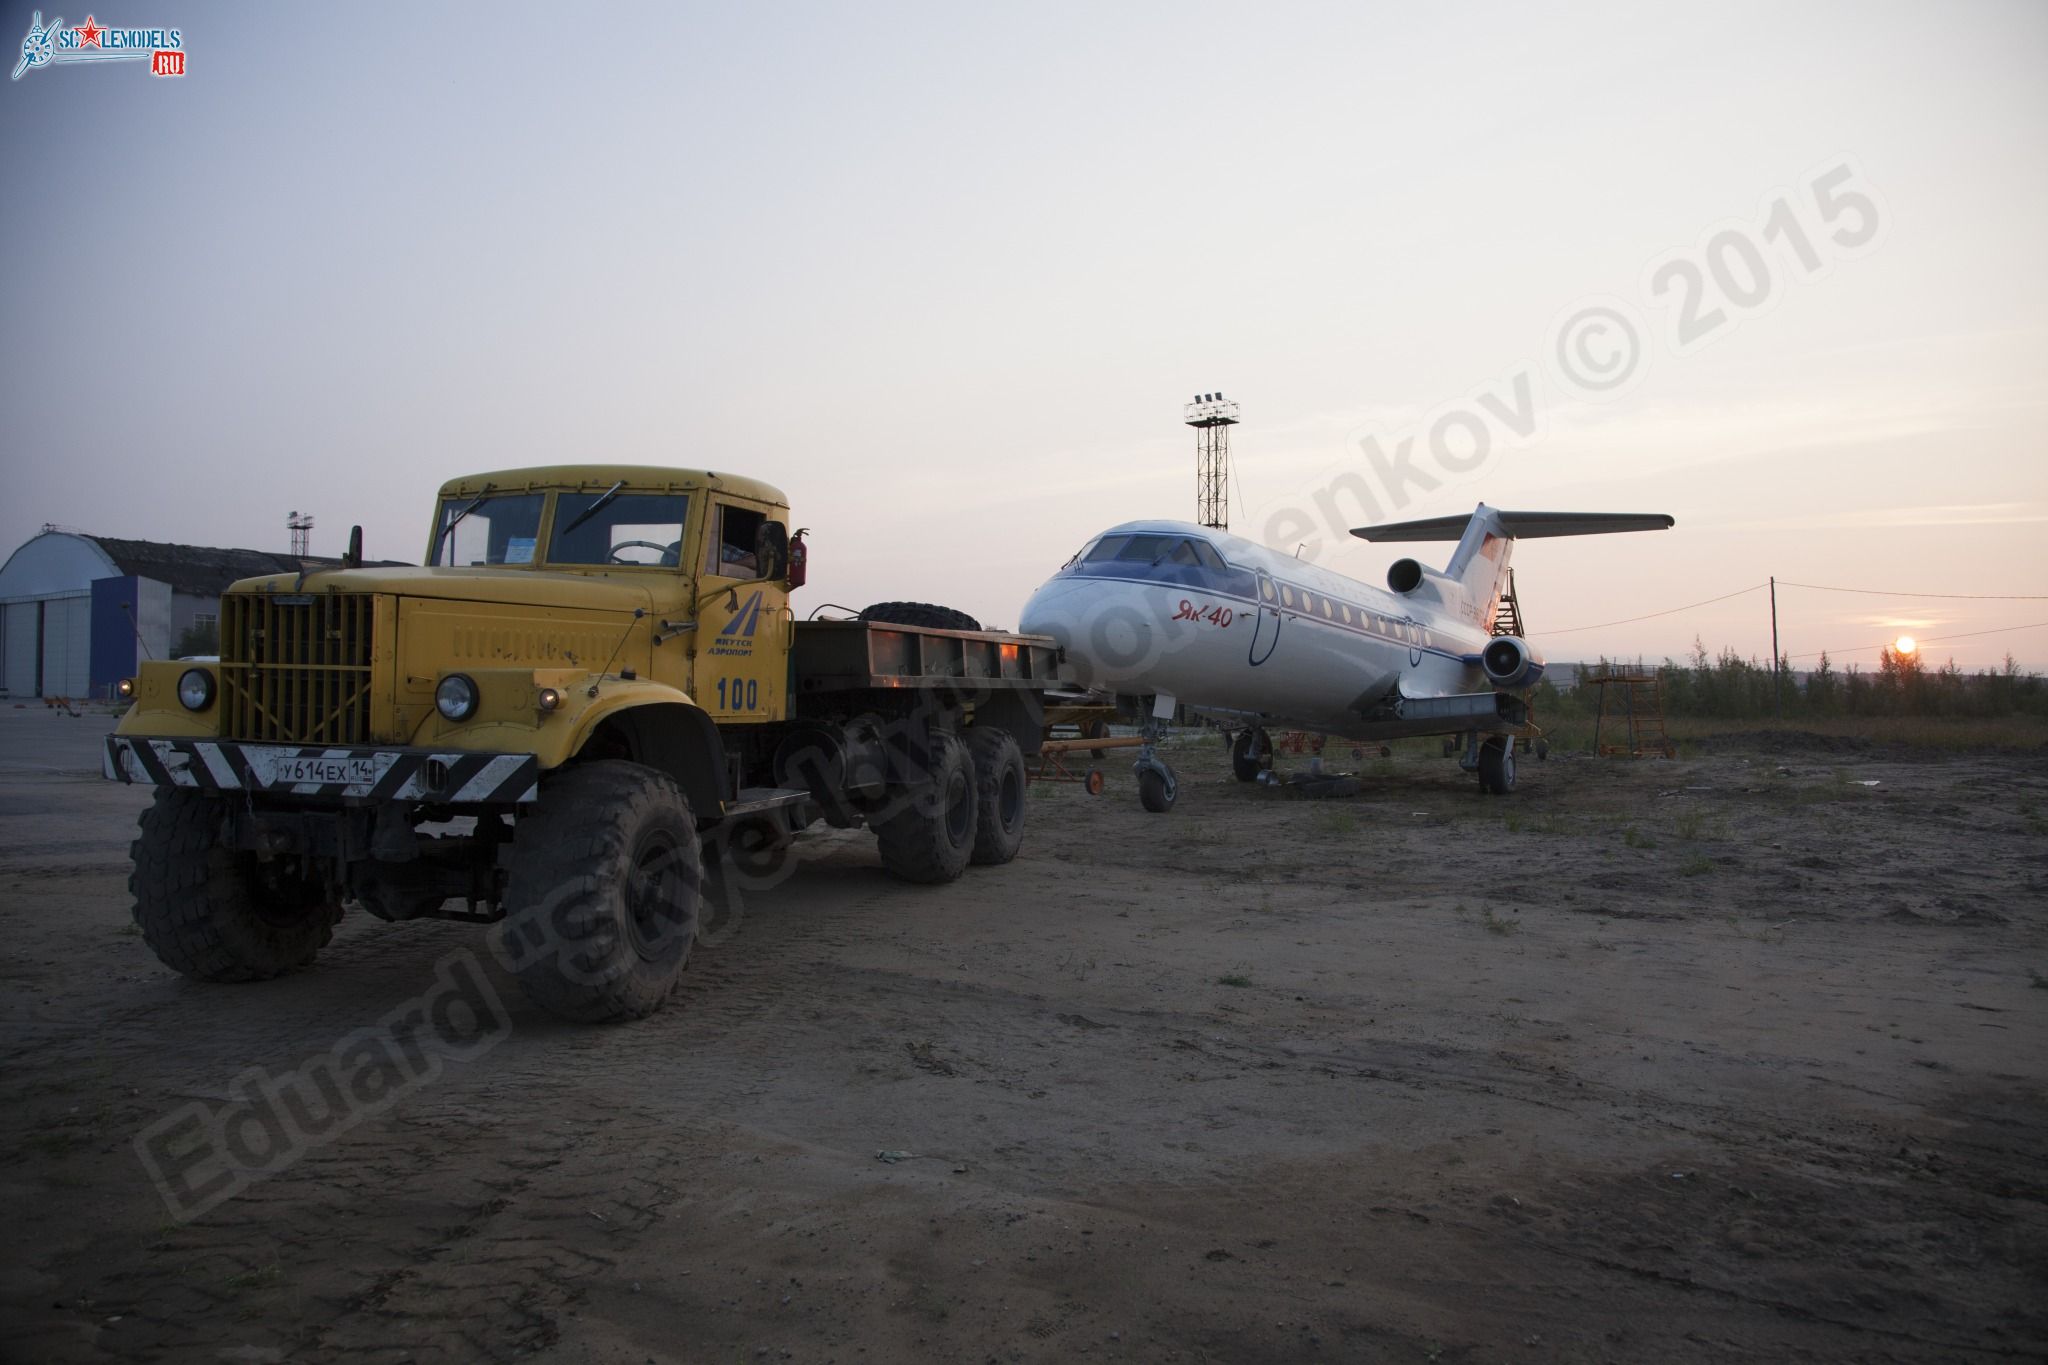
(1777, 683)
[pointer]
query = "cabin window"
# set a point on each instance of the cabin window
(734, 551)
(1286, 596)
(619, 528)
(1143, 550)
(1347, 614)
(491, 528)
(1104, 549)
(1326, 608)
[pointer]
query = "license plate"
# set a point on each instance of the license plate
(289, 769)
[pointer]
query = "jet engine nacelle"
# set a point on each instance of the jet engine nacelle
(1411, 578)
(1510, 663)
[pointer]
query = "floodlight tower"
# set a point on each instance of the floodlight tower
(1212, 416)
(300, 524)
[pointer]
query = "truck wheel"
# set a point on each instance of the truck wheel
(932, 836)
(999, 783)
(1251, 754)
(215, 914)
(1096, 729)
(919, 614)
(605, 887)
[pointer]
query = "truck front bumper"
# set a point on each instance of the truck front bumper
(329, 774)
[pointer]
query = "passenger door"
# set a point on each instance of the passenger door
(1266, 631)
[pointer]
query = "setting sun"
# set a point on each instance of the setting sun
(1905, 644)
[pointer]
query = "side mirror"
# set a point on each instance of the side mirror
(771, 550)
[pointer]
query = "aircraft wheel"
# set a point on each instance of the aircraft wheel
(1251, 754)
(1497, 766)
(1157, 790)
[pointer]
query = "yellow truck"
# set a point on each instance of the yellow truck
(590, 698)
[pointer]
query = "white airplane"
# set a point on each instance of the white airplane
(1192, 616)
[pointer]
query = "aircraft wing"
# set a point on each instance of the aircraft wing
(1520, 525)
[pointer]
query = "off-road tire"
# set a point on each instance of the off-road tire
(588, 939)
(919, 614)
(210, 912)
(1000, 783)
(931, 836)
(1251, 753)
(1326, 788)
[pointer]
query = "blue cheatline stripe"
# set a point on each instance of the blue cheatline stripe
(1210, 590)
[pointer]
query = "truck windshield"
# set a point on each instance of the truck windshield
(619, 528)
(497, 528)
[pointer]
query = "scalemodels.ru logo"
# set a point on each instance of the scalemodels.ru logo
(162, 48)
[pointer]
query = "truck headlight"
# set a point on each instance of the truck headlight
(455, 698)
(125, 689)
(550, 698)
(195, 689)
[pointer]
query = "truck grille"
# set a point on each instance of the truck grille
(295, 667)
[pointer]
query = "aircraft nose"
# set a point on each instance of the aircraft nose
(1050, 612)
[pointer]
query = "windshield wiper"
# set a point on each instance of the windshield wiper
(587, 513)
(481, 499)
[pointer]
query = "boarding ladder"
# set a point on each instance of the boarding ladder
(1507, 613)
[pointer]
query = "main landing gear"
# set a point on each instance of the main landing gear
(1251, 753)
(1494, 761)
(1157, 786)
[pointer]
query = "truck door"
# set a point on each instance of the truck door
(743, 628)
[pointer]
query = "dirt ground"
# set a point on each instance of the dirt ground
(1726, 1058)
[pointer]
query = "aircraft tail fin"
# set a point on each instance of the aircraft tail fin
(1485, 541)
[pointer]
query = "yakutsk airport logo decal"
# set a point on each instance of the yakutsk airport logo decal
(162, 48)
(738, 635)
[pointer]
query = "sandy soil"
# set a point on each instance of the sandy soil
(1729, 1058)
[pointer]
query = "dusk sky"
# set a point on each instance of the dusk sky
(947, 275)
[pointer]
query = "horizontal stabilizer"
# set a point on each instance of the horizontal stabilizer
(1521, 525)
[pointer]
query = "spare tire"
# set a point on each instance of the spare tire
(920, 614)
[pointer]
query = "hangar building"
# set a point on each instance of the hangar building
(78, 611)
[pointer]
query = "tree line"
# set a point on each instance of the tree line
(1729, 686)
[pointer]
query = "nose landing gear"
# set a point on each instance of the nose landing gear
(1158, 788)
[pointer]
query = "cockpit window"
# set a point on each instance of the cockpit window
(1206, 553)
(1143, 550)
(1105, 549)
(1183, 554)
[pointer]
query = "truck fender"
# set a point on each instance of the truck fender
(664, 729)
